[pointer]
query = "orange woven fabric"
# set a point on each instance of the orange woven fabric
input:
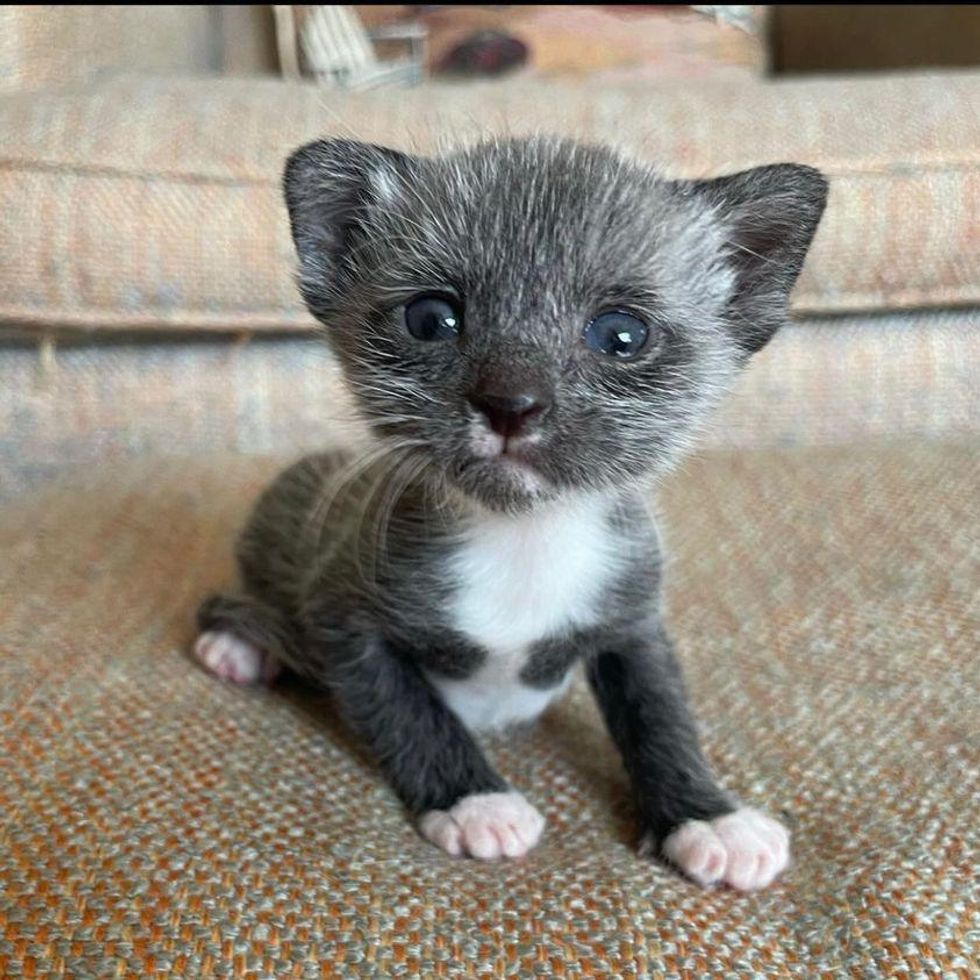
(153, 819)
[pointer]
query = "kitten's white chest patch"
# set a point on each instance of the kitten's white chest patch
(520, 580)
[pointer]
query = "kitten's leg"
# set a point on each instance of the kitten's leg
(241, 639)
(685, 815)
(462, 805)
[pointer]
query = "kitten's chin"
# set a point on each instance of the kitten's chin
(502, 483)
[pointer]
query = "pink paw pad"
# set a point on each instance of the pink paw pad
(486, 826)
(745, 849)
(232, 659)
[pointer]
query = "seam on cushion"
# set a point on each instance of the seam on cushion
(903, 169)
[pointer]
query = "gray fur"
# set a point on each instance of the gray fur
(349, 556)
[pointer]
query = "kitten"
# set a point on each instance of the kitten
(531, 330)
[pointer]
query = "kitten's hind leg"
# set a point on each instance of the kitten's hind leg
(241, 639)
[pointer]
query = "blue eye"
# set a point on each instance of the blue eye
(433, 317)
(616, 333)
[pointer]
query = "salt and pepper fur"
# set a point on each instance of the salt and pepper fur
(437, 588)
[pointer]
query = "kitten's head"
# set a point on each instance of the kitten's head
(535, 316)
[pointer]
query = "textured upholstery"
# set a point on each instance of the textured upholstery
(153, 203)
(153, 819)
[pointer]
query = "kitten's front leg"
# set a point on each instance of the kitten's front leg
(462, 805)
(686, 816)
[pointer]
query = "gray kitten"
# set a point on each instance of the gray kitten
(531, 331)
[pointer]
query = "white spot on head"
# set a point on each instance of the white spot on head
(384, 184)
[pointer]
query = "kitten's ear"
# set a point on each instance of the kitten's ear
(771, 214)
(330, 186)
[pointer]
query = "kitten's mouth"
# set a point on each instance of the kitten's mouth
(513, 455)
(508, 459)
(510, 451)
(499, 470)
(515, 452)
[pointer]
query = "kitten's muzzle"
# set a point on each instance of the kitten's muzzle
(510, 414)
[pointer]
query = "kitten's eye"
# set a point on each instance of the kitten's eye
(433, 317)
(616, 333)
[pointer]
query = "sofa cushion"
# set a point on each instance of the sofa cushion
(154, 820)
(148, 203)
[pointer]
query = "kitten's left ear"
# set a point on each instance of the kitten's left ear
(771, 215)
(331, 187)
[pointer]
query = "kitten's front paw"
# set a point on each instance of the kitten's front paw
(745, 849)
(485, 825)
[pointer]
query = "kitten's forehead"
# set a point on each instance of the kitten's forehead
(499, 161)
(542, 181)
(543, 219)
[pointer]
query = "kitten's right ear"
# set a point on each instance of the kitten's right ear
(770, 214)
(330, 186)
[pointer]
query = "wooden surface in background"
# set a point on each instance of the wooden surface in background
(853, 37)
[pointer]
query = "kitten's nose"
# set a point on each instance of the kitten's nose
(509, 414)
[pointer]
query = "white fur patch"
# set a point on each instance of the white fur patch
(384, 184)
(485, 825)
(526, 577)
(745, 849)
(521, 579)
(494, 699)
(232, 659)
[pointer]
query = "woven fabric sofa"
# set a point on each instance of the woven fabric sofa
(157, 367)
